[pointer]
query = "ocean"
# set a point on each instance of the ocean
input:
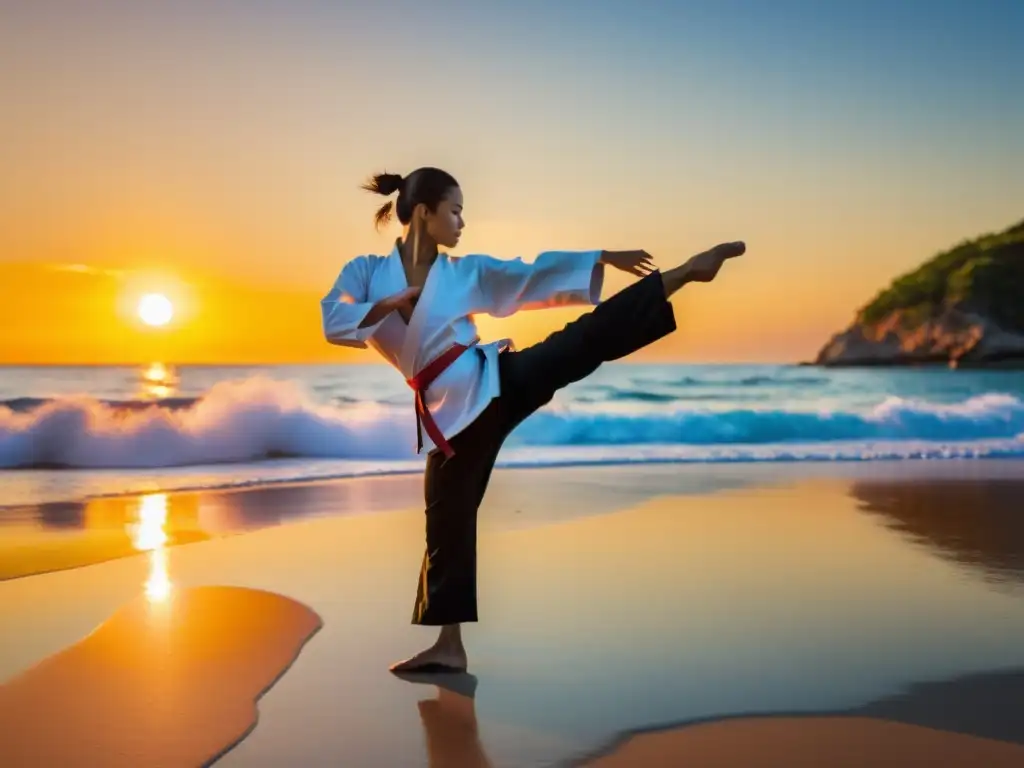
(69, 433)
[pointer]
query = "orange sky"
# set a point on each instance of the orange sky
(77, 314)
(216, 156)
(776, 304)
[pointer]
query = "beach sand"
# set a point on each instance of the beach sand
(627, 614)
(168, 682)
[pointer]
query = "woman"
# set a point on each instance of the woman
(415, 307)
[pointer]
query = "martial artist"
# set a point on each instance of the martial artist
(415, 306)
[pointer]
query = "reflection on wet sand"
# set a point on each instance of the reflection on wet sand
(150, 534)
(59, 535)
(168, 682)
(449, 721)
(98, 530)
(969, 721)
(974, 523)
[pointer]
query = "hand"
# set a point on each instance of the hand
(404, 302)
(635, 262)
(703, 267)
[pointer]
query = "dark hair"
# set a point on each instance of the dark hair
(424, 185)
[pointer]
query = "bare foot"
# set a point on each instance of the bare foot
(703, 267)
(437, 658)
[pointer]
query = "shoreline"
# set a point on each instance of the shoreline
(915, 462)
(240, 510)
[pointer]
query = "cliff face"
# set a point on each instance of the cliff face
(965, 307)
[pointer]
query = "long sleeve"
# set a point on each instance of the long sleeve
(555, 279)
(346, 304)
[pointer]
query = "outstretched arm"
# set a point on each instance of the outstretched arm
(555, 279)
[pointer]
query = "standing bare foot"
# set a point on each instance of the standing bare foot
(433, 659)
(446, 655)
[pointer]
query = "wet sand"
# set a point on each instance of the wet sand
(838, 742)
(161, 682)
(648, 598)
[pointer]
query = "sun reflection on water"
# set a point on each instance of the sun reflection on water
(159, 380)
(149, 534)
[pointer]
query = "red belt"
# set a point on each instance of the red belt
(419, 384)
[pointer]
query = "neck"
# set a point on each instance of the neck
(418, 248)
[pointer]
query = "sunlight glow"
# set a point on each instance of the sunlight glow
(155, 309)
(148, 534)
(158, 380)
(158, 585)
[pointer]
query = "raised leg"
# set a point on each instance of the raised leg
(631, 319)
(622, 324)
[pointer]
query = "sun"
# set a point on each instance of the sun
(155, 309)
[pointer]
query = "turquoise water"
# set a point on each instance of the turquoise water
(65, 432)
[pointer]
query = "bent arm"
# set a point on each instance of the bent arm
(555, 279)
(348, 318)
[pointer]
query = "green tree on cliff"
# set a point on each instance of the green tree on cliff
(984, 276)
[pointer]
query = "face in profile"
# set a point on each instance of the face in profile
(445, 224)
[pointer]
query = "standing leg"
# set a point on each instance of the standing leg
(453, 489)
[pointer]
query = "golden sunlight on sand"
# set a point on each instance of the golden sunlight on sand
(169, 680)
(803, 742)
(103, 529)
(149, 534)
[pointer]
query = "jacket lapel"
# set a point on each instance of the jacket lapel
(418, 329)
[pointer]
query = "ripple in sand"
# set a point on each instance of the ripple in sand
(169, 683)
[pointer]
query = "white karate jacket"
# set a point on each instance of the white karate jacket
(456, 288)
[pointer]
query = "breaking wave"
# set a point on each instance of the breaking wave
(260, 418)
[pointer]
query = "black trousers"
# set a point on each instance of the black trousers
(454, 488)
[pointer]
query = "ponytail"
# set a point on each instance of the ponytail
(424, 185)
(383, 184)
(383, 215)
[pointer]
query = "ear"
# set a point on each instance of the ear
(420, 212)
